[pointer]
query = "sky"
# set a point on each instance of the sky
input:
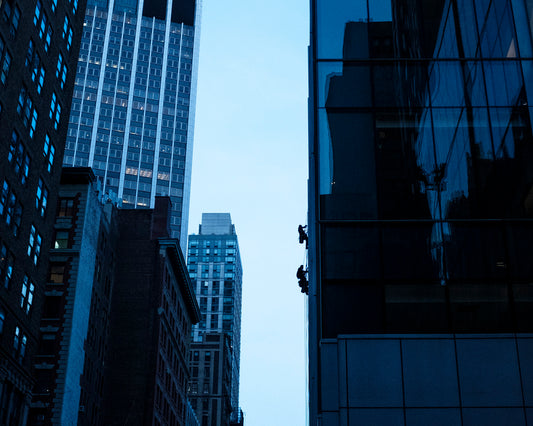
(250, 159)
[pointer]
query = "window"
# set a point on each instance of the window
(61, 70)
(38, 12)
(10, 208)
(66, 207)
(37, 69)
(55, 111)
(5, 62)
(34, 245)
(15, 20)
(67, 32)
(74, 6)
(12, 15)
(40, 20)
(6, 265)
(61, 240)
(19, 344)
(19, 158)
(41, 198)
(48, 152)
(26, 297)
(26, 110)
(2, 320)
(57, 273)
(54, 5)
(16, 341)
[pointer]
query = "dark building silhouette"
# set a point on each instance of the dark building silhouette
(153, 309)
(39, 44)
(69, 365)
(420, 211)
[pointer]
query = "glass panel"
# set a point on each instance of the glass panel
(377, 364)
(493, 416)
(340, 23)
(383, 417)
(416, 308)
(433, 417)
(525, 352)
(480, 308)
(430, 374)
(475, 251)
(488, 374)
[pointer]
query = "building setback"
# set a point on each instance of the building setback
(215, 267)
(153, 309)
(39, 44)
(69, 366)
(420, 208)
(132, 116)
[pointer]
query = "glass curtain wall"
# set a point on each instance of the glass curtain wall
(423, 175)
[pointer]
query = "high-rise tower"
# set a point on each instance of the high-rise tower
(214, 264)
(132, 116)
(420, 212)
(39, 42)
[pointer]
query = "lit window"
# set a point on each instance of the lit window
(57, 273)
(26, 297)
(5, 62)
(61, 240)
(67, 32)
(54, 5)
(37, 71)
(19, 158)
(41, 197)
(38, 12)
(26, 110)
(55, 111)
(48, 152)
(2, 320)
(34, 245)
(66, 207)
(61, 70)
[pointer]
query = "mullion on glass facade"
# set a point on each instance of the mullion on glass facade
(131, 121)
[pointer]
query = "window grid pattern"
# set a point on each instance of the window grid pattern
(130, 120)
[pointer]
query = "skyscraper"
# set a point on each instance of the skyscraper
(420, 208)
(214, 262)
(132, 116)
(39, 42)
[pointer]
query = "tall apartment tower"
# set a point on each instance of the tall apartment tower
(214, 263)
(39, 43)
(132, 116)
(420, 213)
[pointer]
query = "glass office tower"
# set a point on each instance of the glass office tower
(132, 116)
(214, 263)
(420, 212)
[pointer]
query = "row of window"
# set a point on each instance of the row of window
(208, 243)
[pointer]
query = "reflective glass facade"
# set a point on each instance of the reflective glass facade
(421, 184)
(133, 108)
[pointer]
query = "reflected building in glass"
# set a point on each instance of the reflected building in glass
(132, 116)
(420, 212)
